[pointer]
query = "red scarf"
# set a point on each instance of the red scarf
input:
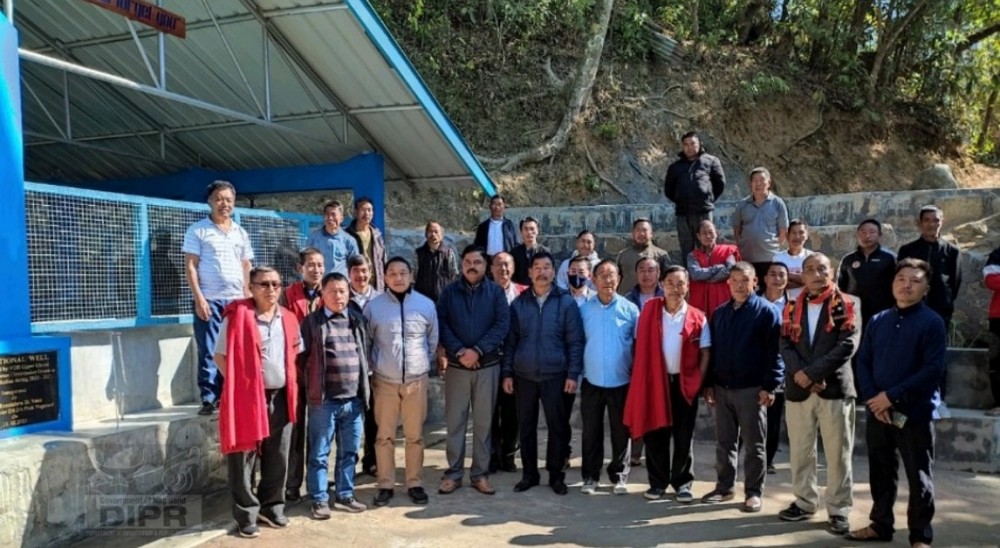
(243, 421)
(647, 406)
(838, 309)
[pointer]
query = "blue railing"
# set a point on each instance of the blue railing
(100, 260)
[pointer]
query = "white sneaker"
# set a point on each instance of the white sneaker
(943, 411)
(620, 488)
(589, 487)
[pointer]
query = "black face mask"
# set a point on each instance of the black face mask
(576, 281)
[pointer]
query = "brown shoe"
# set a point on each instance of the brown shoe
(483, 486)
(448, 486)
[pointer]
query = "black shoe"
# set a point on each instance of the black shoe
(494, 465)
(525, 484)
(794, 513)
(277, 521)
(771, 469)
(558, 487)
(654, 493)
(249, 530)
(417, 495)
(508, 466)
(838, 525)
(368, 469)
(207, 408)
(293, 495)
(382, 497)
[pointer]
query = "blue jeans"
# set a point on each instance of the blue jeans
(340, 420)
(205, 335)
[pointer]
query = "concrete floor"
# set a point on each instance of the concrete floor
(968, 514)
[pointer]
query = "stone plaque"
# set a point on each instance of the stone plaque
(29, 389)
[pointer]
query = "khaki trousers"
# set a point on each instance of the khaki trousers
(834, 421)
(394, 402)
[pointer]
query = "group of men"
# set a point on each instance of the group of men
(348, 351)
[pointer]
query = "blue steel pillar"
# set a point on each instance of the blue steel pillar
(17, 348)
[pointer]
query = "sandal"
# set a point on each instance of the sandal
(866, 534)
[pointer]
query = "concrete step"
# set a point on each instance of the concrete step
(55, 487)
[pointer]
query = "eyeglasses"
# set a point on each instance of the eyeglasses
(266, 285)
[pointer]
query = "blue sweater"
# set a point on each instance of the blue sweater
(745, 346)
(476, 318)
(902, 352)
(544, 342)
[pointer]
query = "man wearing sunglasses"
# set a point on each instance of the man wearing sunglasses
(256, 352)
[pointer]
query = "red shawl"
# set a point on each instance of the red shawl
(647, 406)
(243, 422)
(707, 296)
(840, 308)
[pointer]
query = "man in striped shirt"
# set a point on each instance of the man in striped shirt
(217, 255)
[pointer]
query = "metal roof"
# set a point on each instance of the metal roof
(255, 83)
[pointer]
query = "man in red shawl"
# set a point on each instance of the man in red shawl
(671, 356)
(301, 298)
(256, 350)
(709, 265)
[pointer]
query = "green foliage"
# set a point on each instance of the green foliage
(629, 37)
(608, 131)
(761, 86)
(591, 183)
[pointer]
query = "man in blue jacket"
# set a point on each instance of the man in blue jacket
(474, 319)
(743, 374)
(543, 359)
(900, 363)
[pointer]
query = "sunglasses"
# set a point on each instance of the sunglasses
(272, 285)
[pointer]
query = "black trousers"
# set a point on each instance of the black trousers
(774, 414)
(594, 400)
(569, 399)
(371, 432)
(273, 459)
(297, 445)
(995, 360)
(915, 444)
(505, 431)
(687, 231)
(663, 468)
(528, 394)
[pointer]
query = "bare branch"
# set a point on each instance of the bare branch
(593, 167)
(554, 80)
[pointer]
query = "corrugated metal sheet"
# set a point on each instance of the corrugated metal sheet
(332, 59)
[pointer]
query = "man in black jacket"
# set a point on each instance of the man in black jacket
(693, 183)
(820, 333)
(945, 261)
(497, 233)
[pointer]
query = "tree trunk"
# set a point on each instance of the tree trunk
(987, 117)
(886, 44)
(580, 94)
(695, 30)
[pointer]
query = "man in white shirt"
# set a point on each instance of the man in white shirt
(497, 233)
(795, 255)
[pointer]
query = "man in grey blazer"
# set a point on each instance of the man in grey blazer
(821, 330)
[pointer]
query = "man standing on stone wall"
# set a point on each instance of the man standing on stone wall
(693, 183)
(369, 239)
(945, 262)
(496, 234)
(642, 246)
(820, 333)
(760, 223)
(217, 255)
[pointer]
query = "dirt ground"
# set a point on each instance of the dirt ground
(967, 515)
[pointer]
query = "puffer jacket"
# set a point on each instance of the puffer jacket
(404, 335)
(694, 185)
(544, 342)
